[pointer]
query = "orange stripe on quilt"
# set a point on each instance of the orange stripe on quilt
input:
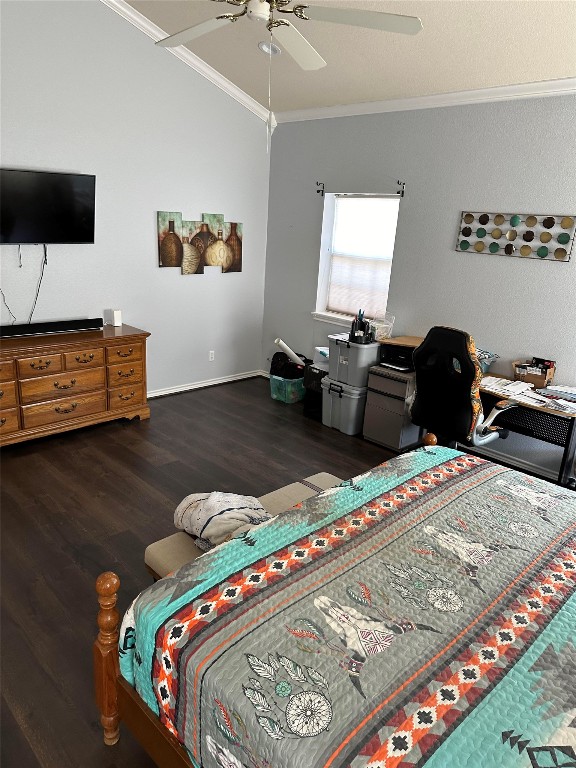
(440, 653)
(200, 664)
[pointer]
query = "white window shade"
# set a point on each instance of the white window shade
(358, 283)
(359, 250)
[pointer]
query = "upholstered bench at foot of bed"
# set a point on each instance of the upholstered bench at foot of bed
(167, 555)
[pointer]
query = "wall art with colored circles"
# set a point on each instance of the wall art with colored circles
(528, 235)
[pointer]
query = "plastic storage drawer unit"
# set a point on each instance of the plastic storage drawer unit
(349, 362)
(387, 417)
(343, 406)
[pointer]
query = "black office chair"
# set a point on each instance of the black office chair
(447, 400)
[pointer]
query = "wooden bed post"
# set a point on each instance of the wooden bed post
(106, 665)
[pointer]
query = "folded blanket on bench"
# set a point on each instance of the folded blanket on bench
(212, 518)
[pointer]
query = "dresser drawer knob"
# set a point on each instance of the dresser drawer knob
(125, 354)
(65, 386)
(59, 408)
(85, 358)
(127, 374)
(127, 397)
(1, 393)
(39, 367)
(2, 421)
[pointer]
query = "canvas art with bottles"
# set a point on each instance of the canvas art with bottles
(193, 245)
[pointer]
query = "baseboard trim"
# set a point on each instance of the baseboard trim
(206, 383)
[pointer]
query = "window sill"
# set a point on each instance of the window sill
(328, 317)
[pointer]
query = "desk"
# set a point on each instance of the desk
(542, 423)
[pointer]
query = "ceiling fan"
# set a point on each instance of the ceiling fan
(295, 44)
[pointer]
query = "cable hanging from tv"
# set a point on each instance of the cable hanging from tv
(44, 263)
(12, 315)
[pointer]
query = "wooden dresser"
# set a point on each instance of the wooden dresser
(62, 381)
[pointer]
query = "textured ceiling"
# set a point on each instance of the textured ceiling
(464, 45)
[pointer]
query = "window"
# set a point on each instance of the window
(358, 234)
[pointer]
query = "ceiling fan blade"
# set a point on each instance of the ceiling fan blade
(298, 47)
(388, 22)
(192, 33)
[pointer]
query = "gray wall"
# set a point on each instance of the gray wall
(84, 91)
(508, 156)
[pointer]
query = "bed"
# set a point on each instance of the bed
(422, 613)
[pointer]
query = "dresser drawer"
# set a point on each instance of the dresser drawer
(8, 394)
(125, 352)
(126, 396)
(7, 370)
(90, 358)
(8, 421)
(61, 410)
(38, 366)
(63, 384)
(125, 373)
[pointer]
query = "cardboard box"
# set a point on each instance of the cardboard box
(539, 380)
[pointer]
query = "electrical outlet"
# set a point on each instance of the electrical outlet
(211, 356)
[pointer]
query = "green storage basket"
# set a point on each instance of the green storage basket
(287, 390)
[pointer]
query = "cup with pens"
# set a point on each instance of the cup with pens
(362, 330)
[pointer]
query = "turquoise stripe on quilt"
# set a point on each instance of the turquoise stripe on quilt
(218, 565)
(282, 531)
(512, 706)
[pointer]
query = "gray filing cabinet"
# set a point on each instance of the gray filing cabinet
(387, 417)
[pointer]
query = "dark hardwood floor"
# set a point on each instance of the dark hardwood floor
(80, 503)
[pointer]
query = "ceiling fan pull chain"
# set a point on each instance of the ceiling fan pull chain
(269, 121)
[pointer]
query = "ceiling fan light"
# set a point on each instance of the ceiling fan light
(270, 49)
(258, 10)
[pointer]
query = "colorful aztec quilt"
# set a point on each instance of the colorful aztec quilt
(423, 613)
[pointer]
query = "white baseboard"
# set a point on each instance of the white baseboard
(206, 383)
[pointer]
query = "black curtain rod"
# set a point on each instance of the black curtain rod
(398, 193)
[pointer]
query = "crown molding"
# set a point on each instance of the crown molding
(181, 52)
(562, 87)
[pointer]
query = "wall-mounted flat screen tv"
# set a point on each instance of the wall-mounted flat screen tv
(46, 207)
